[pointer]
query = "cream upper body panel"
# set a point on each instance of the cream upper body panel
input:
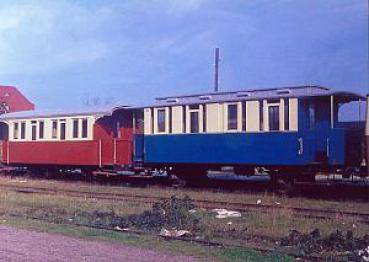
(77, 127)
(247, 116)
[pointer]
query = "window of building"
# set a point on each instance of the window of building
(33, 130)
(84, 128)
(232, 117)
(16, 131)
(62, 129)
(161, 120)
(75, 128)
(273, 118)
(41, 127)
(286, 115)
(23, 130)
(54, 131)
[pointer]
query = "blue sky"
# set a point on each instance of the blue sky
(61, 52)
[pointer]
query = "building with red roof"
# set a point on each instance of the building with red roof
(11, 100)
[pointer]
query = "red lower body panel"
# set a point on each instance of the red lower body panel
(67, 153)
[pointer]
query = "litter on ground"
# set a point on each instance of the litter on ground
(173, 233)
(118, 228)
(224, 213)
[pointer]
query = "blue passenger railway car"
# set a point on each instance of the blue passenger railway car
(293, 132)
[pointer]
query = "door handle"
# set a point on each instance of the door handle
(328, 148)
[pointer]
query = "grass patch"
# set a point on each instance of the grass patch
(237, 254)
(257, 228)
(144, 241)
(195, 194)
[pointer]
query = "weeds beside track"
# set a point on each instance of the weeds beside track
(362, 217)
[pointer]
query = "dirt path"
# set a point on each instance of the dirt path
(23, 245)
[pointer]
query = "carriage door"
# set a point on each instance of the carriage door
(138, 137)
(319, 115)
(4, 133)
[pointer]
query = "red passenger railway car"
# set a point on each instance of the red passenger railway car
(88, 139)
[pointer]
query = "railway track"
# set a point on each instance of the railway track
(207, 204)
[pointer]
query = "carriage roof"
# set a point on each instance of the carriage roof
(98, 111)
(256, 94)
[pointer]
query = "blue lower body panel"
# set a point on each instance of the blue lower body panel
(138, 153)
(279, 148)
(337, 141)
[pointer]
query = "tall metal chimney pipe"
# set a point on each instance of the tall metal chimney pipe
(216, 70)
(367, 107)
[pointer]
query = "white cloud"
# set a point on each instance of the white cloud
(41, 38)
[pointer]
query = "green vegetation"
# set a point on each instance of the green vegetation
(145, 241)
(238, 237)
(266, 198)
(235, 255)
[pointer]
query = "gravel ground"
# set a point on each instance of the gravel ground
(23, 245)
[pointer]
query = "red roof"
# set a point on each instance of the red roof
(11, 100)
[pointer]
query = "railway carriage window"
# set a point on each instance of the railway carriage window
(273, 118)
(34, 129)
(117, 133)
(194, 118)
(84, 128)
(170, 120)
(16, 131)
(194, 121)
(62, 130)
(23, 130)
(152, 121)
(184, 118)
(75, 128)
(286, 115)
(232, 117)
(244, 116)
(261, 115)
(204, 117)
(54, 130)
(161, 120)
(41, 125)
